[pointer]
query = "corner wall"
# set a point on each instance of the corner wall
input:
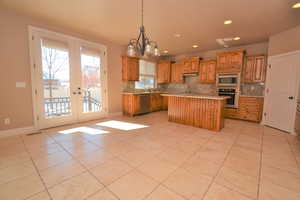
(16, 103)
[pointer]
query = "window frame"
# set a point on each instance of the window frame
(147, 75)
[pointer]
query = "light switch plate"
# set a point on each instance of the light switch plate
(20, 84)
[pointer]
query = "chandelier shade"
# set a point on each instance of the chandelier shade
(142, 46)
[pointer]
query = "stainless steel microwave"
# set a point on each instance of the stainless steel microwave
(228, 80)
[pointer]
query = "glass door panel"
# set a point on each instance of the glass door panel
(91, 80)
(55, 78)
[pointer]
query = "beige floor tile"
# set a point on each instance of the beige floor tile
(198, 165)
(21, 188)
(46, 150)
(244, 153)
(16, 171)
(218, 192)
(284, 162)
(271, 191)
(61, 172)
(187, 184)
(162, 193)
(111, 170)
(173, 156)
(51, 160)
(212, 154)
(247, 185)
(103, 194)
(137, 157)
(40, 196)
(280, 177)
(95, 158)
(133, 186)
(6, 161)
(76, 188)
(245, 166)
(158, 169)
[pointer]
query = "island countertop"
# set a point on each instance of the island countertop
(199, 96)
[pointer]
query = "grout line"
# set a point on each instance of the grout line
(261, 159)
(37, 171)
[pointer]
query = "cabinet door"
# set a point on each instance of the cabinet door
(163, 71)
(203, 70)
(176, 73)
(211, 72)
(194, 66)
(130, 68)
(248, 70)
(155, 102)
(222, 61)
(187, 65)
(259, 69)
(131, 104)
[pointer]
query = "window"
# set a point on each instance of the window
(147, 75)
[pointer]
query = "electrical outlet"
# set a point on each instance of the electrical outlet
(6, 121)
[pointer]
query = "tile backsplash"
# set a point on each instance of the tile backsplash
(191, 84)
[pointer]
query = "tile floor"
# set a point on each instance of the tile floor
(163, 161)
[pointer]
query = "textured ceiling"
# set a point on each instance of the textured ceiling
(197, 21)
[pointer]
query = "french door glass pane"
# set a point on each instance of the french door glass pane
(56, 78)
(91, 80)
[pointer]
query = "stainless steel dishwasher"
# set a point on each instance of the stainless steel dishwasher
(144, 103)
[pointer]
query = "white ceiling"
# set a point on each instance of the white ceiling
(198, 21)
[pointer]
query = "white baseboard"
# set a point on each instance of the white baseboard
(115, 114)
(17, 131)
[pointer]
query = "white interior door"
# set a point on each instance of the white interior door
(281, 91)
(69, 79)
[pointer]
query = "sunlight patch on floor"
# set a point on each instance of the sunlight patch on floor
(121, 125)
(83, 129)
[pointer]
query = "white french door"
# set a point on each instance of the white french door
(69, 79)
(281, 91)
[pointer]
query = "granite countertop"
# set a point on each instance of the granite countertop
(244, 95)
(144, 92)
(199, 96)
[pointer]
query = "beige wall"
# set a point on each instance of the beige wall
(284, 42)
(253, 49)
(16, 103)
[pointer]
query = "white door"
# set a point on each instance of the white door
(281, 91)
(69, 79)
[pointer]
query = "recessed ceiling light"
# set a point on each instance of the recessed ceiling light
(166, 51)
(236, 38)
(177, 35)
(228, 22)
(297, 5)
(195, 46)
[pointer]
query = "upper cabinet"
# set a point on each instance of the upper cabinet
(130, 68)
(230, 62)
(207, 71)
(163, 71)
(254, 70)
(191, 65)
(176, 72)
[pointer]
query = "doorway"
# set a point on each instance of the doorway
(281, 91)
(69, 79)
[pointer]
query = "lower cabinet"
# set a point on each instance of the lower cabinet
(250, 108)
(131, 104)
(155, 102)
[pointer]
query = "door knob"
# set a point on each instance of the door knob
(291, 97)
(74, 93)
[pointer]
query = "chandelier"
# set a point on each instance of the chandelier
(142, 46)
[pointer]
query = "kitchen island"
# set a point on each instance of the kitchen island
(203, 111)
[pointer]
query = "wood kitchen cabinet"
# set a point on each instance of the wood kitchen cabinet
(130, 68)
(250, 108)
(191, 65)
(131, 104)
(156, 101)
(163, 71)
(207, 71)
(165, 100)
(254, 70)
(230, 62)
(177, 72)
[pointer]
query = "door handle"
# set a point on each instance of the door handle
(74, 93)
(291, 97)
